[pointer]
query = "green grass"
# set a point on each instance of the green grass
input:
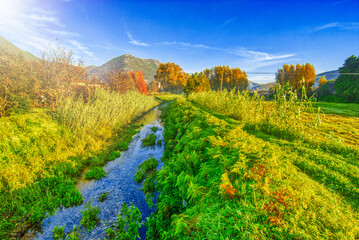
(222, 180)
(89, 216)
(95, 173)
(149, 141)
(44, 154)
(343, 109)
(103, 197)
(58, 233)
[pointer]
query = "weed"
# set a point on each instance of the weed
(113, 155)
(159, 143)
(58, 233)
(95, 173)
(103, 196)
(154, 129)
(122, 146)
(89, 216)
(127, 225)
(149, 141)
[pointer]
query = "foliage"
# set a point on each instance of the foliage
(145, 169)
(58, 233)
(347, 84)
(322, 81)
(223, 181)
(95, 173)
(103, 196)
(113, 155)
(197, 83)
(298, 76)
(171, 77)
(120, 81)
(149, 141)
(140, 83)
(223, 77)
(122, 146)
(154, 129)
(159, 143)
(89, 216)
(127, 225)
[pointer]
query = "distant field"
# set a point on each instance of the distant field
(343, 109)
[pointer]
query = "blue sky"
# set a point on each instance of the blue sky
(257, 36)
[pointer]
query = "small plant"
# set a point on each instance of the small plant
(74, 235)
(95, 173)
(127, 225)
(122, 146)
(113, 155)
(149, 141)
(145, 169)
(58, 233)
(154, 129)
(103, 196)
(89, 216)
(159, 143)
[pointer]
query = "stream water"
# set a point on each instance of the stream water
(119, 183)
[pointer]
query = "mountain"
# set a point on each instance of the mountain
(260, 87)
(8, 46)
(328, 75)
(128, 63)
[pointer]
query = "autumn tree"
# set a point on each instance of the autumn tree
(139, 81)
(223, 77)
(171, 77)
(347, 84)
(198, 82)
(154, 87)
(323, 80)
(120, 81)
(298, 76)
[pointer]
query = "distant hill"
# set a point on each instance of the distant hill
(328, 75)
(260, 87)
(128, 63)
(8, 46)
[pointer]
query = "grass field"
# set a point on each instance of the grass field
(236, 178)
(44, 153)
(343, 109)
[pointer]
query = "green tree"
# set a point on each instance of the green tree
(198, 82)
(347, 85)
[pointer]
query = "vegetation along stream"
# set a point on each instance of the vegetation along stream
(119, 183)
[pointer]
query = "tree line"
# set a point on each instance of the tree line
(170, 77)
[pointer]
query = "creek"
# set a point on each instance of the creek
(119, 183)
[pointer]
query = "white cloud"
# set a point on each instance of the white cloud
(135, 42)
(344, 26)
(31, 28)
(258, 56)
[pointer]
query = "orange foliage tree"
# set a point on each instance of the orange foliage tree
(139, 81)
(298, 76)
(225, 77)
(171, 77)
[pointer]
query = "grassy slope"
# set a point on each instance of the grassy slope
(42, 159)
(233, 182)
(343, 109)
(12, 48)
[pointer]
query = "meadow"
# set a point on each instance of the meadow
(45, 152)
(244, 168)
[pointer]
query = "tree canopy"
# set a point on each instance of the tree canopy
(171, 77)
(224, 77)
(198, 82)
(347, 85)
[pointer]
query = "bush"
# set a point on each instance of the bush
(103, 196)
(113, 155)
(154, 129)
(89, 216)
(58, 233)
(95, 173)
(122, 146)
(149, 141)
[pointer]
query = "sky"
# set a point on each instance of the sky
(256, 36)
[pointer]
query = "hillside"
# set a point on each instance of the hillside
(8, 46)
(127, 62)
(328, 75)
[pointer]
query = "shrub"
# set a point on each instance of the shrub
(154, 129)
(95, 173)
(103, 196)
(113, 155)
(149, 141)
(58, 233)
(122, 146)
(89, 216)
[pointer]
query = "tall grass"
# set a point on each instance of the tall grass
(106, 108)
(283, 115)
